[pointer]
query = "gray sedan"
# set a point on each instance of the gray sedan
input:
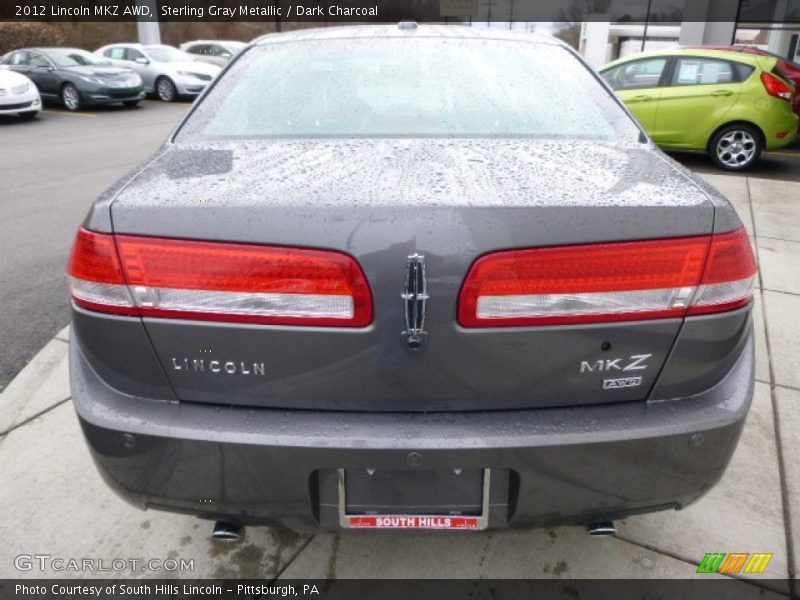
(411, 277)
(76, 78)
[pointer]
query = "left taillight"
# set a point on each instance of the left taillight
(215, 281)
(598, 283)
(96, 279)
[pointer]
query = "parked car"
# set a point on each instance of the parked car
(373, 280)
(216, 52)
(166, 71)
(730, 104)
(18, 95)
(75, 78)
(788, 69)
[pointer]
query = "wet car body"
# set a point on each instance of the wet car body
(415, 409)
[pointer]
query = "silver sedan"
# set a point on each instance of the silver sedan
(166, 71)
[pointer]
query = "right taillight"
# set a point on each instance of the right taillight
(216, 281)
(729, 275)
(596, 283)
(776, 86)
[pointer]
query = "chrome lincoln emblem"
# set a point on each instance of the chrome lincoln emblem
(415, 296)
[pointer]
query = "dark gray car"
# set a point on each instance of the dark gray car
(411, 277)
(75, 78)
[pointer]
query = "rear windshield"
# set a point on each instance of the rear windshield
(408, 87)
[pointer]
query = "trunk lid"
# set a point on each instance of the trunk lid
(381, 201)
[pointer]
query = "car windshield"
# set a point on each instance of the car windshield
(166, 54)
(409, 87)
(72, 57)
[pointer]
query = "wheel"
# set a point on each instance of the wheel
(736, 147)
(70, 98)
(27, 116)
(131, 103)
(165, 89)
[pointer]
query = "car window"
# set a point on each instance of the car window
(409, 87)
(639, 74)
(691, 70)
(198, 49)
(217, 50)
(115, 53)
(743, 71)
(165, 54)
(73, 57)
(16, 58)
(132, 54)
(37, 60)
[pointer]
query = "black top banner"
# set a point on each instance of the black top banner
(389, 11)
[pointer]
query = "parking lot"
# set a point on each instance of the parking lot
(52, 170)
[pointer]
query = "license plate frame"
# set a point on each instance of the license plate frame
(412, 521)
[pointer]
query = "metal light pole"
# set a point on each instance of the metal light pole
(646, 23)
(148, 28)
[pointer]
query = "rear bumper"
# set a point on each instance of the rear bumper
(558, 465)
(781, 130)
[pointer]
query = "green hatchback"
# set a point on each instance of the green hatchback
(730, 104)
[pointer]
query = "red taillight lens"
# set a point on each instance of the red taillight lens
(776, 86)
(227, 282)
(608, 282)
(729, 275)
(95, 274)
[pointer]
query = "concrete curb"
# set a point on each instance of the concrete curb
(42, 384)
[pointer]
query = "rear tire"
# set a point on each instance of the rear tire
(28, 116)
(131, 103)
(70, 97)
(165, 89)
(736, 147)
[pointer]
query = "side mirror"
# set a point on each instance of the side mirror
(141, 61)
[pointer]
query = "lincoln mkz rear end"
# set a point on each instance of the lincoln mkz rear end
(411, 277)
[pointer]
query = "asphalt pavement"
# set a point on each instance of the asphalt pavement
(54, 167)
(51, 170)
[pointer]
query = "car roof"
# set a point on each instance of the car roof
(742, 57)
(48, 49)
(395, 31)
(213, 42)
(137, 45)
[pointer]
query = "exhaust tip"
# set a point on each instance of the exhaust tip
(227, 532)
(602, 528)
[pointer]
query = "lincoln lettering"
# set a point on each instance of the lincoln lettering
(222, 367)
